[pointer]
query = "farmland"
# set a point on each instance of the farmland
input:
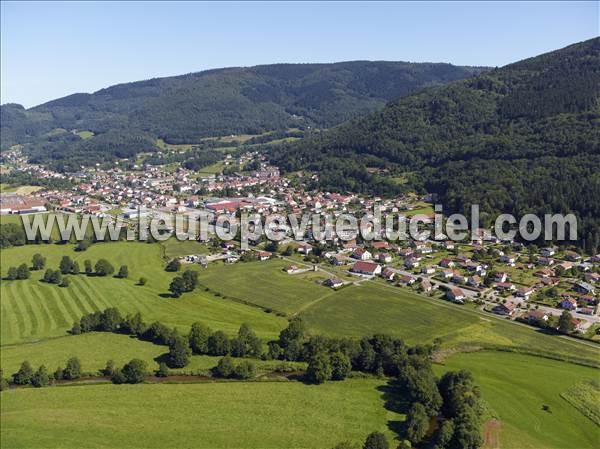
(516, 387)
(209, 415)
(33, 310)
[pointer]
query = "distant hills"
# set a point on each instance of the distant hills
(522, 138)
(183, 109)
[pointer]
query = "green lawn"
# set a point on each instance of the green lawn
(33, 310)
(176, 248)
(266, 284)
(209, 415)
(516, 387)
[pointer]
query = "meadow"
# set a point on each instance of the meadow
(33, 310)
(206, 415)
(516, 387)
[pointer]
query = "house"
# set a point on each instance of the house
(264, 255)
(592, 277)
(411, 262)
(508, 258)
(545, 261)
(448, 244)
(428, 270)
(340, 259)
(405, 252)
(475, 281)
(549, 282)
(292, 269)
(587, 310)
(447, 274)
(544, 272)
(304, 248)
(547, 252)
(500, 276)
(455, 294)
(536, 316)
(474, 266)
(384, 257)
(568, 304)
(407, 279)
(366, 268)
(425, 285)
(361, 254)
(380, 245)
(565, 265)
(388, 274)
(524, 292)
(458, 277)
(333, 283)
(505, 286)
(572, 256)
(584, 287)
(507, 309)
(447, 263)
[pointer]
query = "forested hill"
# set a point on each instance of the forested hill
(522, 138)
(229, 101)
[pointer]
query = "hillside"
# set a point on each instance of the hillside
(522, 138)
(226, 101)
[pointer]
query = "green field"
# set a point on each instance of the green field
(176, 248)
(33, 310)
(516, 387)
(372, 307)
(266, 284)
(585, 397)
(210, 415)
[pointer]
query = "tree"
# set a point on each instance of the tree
(225, 367)
(73, 369)
(38, 261)
(75, 268)
(41, 377)
(24, 375)
(218, 344)
(190, 280)
(118, 377)
(109, 369)
(87, 266)
(66, 265)
(340, 366)
(248, 342)
(134, 371)
(177, 286)
(565, 322)
(59, 374)
(376, 440)
(123, 272)
(12, 273)
(104, 268)
(82, 245)
(163, 370)
(173, 265)
(445, 433)
(198, 338)
(110, 320)
(179, 352)
(319, 368)
(142, 281)
(245, 370)
(417, 422)
(23, 271)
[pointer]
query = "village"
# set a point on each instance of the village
(503, 278)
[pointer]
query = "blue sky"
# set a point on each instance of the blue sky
(49, 50)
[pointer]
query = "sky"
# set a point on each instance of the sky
(53, 49)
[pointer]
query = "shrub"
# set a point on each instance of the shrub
(134, 372)
(225, 367)
(163, 370)
(24, 375)
(41, 377)
(104, 268)
(245, 370)
(73, 369)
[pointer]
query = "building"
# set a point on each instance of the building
(361, 254)
(334, 283)
(507, 309)
(455, 294)
(366, 268)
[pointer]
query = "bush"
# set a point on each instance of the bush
(225, 367)
(376, 440)
(65, 282)
(59, 374)
(134, 372)
(118, 377)
(142, 281)
(104, 268)
(24, 375)
(173, 265)
(319, 369)
(340, 366)
(38, 261)
(23, 271)
(163, 370)
(123, 272)
(73, 369)
(179, 352)
(245, 370)
(109, 369)
(41, 377)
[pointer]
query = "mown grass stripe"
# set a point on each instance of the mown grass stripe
(84, 295)
(8, 328)
(49, 322)
(72, 296)
(93, 296)
(32, 316)
(70, 314)
(59, 310)
(17, 309)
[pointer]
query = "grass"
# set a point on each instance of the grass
(585, 397)
(212, 169)
(266, 284)
(33, 310)
(517, 386)
(85, 134)
(176, 248)
(208, 415)
(95, 349)
(372, 307)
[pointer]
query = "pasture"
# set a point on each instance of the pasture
(33, 310)
(206, 415)
(516, 387)
(266, 284)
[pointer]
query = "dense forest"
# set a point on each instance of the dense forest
(518, 139)
(183, 109)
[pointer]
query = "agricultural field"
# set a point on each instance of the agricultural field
(266, 284)
(206, 415)
(517, 387)
(33, 310)
(176, 248)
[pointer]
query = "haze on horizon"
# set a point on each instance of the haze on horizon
(50, 50)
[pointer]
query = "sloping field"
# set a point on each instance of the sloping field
(229, 415)
(517, 387)
(32, 310)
